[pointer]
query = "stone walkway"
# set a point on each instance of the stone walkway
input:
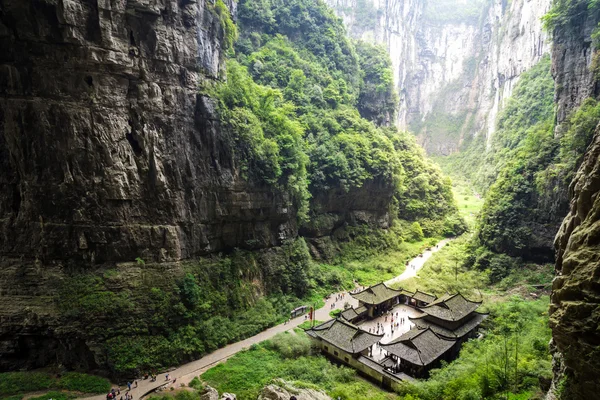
(403, 311)
(186, 372)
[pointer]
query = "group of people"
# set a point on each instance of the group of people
(338, 297)
(395, 322)
(116, 392)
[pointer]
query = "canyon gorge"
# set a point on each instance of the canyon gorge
(177, 175)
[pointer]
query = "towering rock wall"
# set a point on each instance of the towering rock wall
(575, 308)
(108, 153)
(453, 74)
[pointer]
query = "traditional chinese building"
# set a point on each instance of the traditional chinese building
(354, 315)
(380, 298)
(416, 352)
(438, 333)
(451, 316)
(346, 343)
(421, 299)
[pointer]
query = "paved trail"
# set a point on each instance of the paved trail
(417, 263)
(186, 372)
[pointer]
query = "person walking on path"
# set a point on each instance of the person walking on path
(129, 385)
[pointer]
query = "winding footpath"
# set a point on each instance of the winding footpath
(186, 372)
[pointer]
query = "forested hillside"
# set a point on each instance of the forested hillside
(314, 111)
(525, 173)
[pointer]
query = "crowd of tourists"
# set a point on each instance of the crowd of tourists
(115, 393)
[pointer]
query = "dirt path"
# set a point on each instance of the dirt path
(186, 372)
(417, 263)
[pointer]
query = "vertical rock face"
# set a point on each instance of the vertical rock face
(575, 308)
(453, 75)
(107, 153)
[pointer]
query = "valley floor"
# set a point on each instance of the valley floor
(185, 373)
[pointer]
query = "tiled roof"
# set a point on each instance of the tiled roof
(349, 314)
(344, 335)
(422, 323)
(451, 307)
(377, 294)
(419, 346)
(424, 297)
(361, 310)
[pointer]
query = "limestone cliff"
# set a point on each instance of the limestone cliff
(453, 72)
(575, 309)
(108, 153)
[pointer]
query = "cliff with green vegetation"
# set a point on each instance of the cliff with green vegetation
(574, 309)
(455, 62)
(170, 171)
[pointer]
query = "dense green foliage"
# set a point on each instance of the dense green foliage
(570, 14)
(526, 171)
(536, 165)
(228, 29)
(14, 383)
(462, 267)
(213, 303)
(370, 256)
(378, 100)
(306, 106)
(292, 358)
(446, 272)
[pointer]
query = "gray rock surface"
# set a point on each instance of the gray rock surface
(283, 391)
(575, 308)
(210, 393)
(463, 69)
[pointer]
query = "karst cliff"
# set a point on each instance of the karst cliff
(124, 190)
(575, 308)
(454, 65)
(108, 154)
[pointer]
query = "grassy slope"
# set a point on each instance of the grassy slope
(14, 384)
(469, 202)
(289, 357)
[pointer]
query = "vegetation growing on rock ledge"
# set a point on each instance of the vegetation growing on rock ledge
(307, 106)
(526, 173)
